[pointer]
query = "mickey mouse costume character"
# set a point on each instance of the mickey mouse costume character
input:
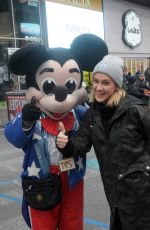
(55, 93)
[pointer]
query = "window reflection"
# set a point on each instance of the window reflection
(6, 25)
(136, 65)
(27, 22)
(6, 83)
(19, 24)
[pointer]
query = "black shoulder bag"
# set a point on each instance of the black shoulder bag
(42, 194)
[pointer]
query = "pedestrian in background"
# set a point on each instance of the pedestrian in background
(117, 125)
(140, 89)
(147, 76)
(136, 86)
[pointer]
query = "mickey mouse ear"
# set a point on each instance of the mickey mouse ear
(88, 49)
(27, 59)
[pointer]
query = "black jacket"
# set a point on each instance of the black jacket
(123, 154)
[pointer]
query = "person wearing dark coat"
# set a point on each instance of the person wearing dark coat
(117, 125)
(128, 82)
(136, 86)
(147, 75)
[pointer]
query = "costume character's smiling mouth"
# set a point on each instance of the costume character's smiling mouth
(57, 115)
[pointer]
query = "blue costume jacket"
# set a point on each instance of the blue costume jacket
(36, 156)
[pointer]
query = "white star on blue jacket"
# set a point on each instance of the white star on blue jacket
(33, 170)
(79, 163)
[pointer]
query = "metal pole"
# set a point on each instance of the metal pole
(13, 21)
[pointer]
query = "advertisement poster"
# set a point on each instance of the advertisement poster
(15, 104)
(65, 22)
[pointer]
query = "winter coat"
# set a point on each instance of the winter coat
(123, 154)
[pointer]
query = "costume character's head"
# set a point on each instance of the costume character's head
(54, 76)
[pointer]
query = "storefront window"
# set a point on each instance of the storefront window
(129, 66)
(148, 63)
(6, 22)
(19, 24)
(6, 82)
(136, 65)
(133, 66)
(27, 22)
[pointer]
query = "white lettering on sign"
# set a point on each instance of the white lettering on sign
(77, 29)
(16, 103)
(132, 35)
(12, 50)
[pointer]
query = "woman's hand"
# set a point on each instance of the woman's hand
(62, 139)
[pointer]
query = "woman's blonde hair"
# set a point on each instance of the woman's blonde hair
(113, 100)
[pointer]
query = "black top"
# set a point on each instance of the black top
(106, 113)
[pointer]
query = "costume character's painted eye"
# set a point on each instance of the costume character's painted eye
(71, 85)
(48, 87)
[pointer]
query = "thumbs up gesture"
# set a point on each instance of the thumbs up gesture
(62, 139)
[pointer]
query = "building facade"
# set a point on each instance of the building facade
(136, 58)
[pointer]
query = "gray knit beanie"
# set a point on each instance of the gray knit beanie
(111, 66)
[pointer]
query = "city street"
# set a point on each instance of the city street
(96, 213)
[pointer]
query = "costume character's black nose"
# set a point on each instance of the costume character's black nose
(60, 92)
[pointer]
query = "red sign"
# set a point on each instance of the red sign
(15, 104)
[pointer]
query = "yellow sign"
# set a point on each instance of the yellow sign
(87, 77)
(87, 4)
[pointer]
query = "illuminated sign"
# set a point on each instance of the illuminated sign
(64, 23)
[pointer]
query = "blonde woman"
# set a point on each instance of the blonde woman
(118, 127)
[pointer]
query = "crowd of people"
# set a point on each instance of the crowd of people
(138, 84)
